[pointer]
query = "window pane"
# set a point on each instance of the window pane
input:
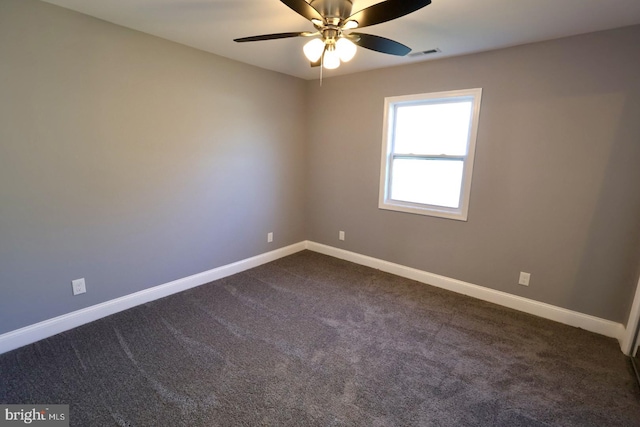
(432, 182)
(441, 128)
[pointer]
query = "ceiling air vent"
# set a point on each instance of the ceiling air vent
(425, 52)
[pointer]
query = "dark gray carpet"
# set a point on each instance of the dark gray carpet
(312, 340)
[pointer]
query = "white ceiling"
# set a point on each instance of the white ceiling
(456, 27)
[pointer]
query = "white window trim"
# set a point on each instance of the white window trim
(385, 202)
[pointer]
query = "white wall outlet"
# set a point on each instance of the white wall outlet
(341, 235)
(78, 286)
(524, 278)
(270, 237)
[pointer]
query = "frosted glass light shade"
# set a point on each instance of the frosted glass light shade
(331, 59)
(313, 50)
(346, 49)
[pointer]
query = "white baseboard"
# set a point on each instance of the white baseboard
(547, 311)
(30, 334)
(36, 332)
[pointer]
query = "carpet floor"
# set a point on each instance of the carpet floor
(310, 340)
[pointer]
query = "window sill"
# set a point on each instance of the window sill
(435, 211)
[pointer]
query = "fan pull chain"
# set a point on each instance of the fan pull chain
(322, 65)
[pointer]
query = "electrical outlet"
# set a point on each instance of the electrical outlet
(524, 278)
(341, 235)
(270, 237)
(78, 286)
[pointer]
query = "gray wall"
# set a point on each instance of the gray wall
(557, 170)
(133, 161)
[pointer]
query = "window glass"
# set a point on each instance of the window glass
(431, 182)
(434, 128)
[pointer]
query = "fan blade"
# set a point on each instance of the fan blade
(303, 8)
(386, 11)
(316, 64)
(273, 36)
(379, 44)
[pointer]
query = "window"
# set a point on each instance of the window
(427, 152)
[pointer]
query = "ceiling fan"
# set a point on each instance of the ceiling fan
(333, 41)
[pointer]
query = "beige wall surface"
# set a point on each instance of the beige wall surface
(555, 189)
(132, 161)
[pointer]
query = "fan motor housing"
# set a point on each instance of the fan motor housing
(332, 9)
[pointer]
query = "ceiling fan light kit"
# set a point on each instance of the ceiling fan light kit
(332, 17)
(342, 50)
